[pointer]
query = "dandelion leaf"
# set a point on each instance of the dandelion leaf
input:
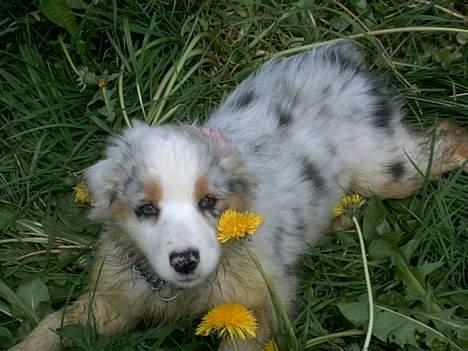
(374, 218)
(33, 293)
(60, 13)
(393, 326)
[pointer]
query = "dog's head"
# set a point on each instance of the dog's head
(165, 188)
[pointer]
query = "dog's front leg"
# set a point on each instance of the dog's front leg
(113, 304)
(108, 313)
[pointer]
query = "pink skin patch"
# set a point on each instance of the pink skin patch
(216, 135)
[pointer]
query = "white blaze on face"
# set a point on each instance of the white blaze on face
(180, 226)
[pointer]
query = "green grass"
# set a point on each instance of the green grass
(167, 61)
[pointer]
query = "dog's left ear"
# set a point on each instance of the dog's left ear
(224, 147)
(241, 181)
(216, 135)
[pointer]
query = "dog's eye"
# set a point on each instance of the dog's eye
(207, 203)
(147, 210)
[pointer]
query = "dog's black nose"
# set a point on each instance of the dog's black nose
(186, 261)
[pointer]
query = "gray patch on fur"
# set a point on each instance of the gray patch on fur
(383, 107)
(325, 111)
(344, 55)
(326, 91)
(112, 197)
(278, 235)
(238, 185)
(244, 99)
(311, 173)
(285, 118)
(397, 170)
(332, 149)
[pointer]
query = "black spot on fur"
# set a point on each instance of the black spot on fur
(343, 55)
(131, 178)
(278, 236)
(300, 222)
(285, 118)
(325, 110)
(311, 172)
(290, 270)
(238, 185)
(383, 113)
(112, 197)
(383, 107)
(300, 227)
(326, 90)
(244, 99)
(397, 170)
(257, 148)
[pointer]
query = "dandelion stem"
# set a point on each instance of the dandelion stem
(324, 338)
(284, 324)
(370, 325)
(67, 55)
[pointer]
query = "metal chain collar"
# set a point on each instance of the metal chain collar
(165, 290)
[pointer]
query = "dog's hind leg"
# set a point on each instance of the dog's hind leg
(399, 171)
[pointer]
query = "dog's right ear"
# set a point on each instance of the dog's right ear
(101, 185)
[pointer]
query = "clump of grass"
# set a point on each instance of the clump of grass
(63, 91)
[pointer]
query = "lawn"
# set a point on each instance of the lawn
(74, 72)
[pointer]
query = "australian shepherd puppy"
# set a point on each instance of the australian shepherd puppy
(288, 143)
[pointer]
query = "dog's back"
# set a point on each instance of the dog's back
(307, 126)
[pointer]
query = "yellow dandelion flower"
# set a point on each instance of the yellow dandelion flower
(82, 194)
(270, 346)
(101, 83)
(236, 225)
(348, 203)
(232, 319)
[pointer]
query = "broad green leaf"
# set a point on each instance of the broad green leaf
(393, 326)
(77, 333)
(462, 38)
(5, 338)
(444, 56)
(18, 307)
(84, 336)
(426, 269)
(59, 12)
(446, 322)
(413, 278)
(374, 217)
(380, 248)
(408, 249)
(77, 4)
(5, 309)
(356, 312)
(33, 293)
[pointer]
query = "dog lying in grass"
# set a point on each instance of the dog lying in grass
(288, 143)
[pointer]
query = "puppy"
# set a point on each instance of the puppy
(287, 143)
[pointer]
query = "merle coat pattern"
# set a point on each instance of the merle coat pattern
(288, 143)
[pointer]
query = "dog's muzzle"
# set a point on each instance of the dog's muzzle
(185, 262)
